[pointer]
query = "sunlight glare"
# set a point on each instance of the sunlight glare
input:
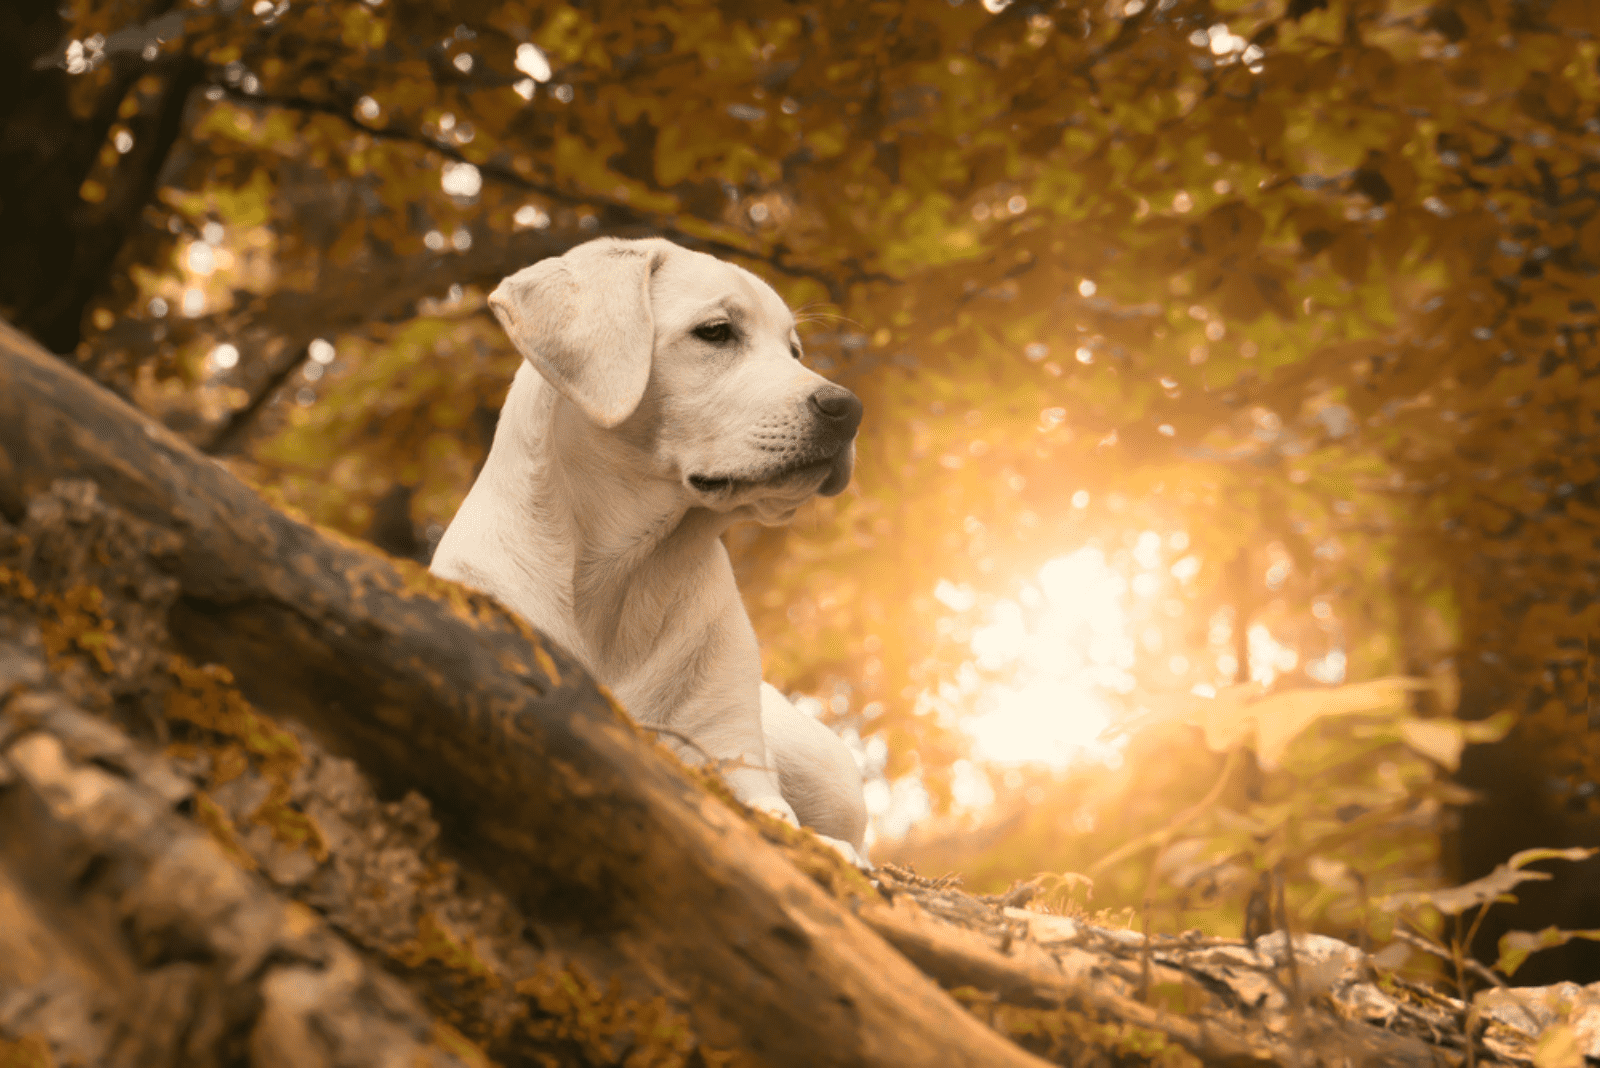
(532, 61)
(1048, 720)
(461, 180)
(1076, 647)
(1268, 656)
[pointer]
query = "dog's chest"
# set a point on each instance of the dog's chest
(665, 646)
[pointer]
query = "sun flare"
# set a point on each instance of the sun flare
(1063, 644)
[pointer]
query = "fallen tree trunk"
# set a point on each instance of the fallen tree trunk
(541, 784)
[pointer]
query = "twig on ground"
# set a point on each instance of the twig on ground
(1428, 946)
(1297, 998)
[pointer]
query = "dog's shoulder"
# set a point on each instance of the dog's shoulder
(457, 569)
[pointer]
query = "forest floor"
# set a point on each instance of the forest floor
(1329, 995)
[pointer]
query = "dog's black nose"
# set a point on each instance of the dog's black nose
(838, 410)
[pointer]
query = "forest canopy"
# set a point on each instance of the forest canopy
(1201, 343)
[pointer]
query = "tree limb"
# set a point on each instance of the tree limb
(236, 426)
(664, 225)
(145, 980)
(60, 233)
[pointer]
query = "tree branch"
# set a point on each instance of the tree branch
(233, 429)
(774, 256)
(60, 232)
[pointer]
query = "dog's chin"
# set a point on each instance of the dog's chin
(774, 496)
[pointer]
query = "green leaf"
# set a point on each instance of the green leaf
(1454, 900)
(1494, 887)
(1517, 946)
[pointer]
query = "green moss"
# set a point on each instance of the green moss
(435, 943)
(17, 584)
(289, 825)
(76, 621)
(476, 608)
(228, 762)
(29, 1051)
(205, 697)
(459, 1046)
(417, 581)
(210, 815)
(597, 1024)
(548, 665)
(824, 866)
(1072, 1038)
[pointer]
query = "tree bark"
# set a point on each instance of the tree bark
(195, 959)
(539, 780)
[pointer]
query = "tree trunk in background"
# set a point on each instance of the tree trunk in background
(1258, 906)
(1522, 781)
(1519, 809)
(59, 239)
(1242, 594)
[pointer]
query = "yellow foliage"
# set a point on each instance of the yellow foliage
(1242, 715)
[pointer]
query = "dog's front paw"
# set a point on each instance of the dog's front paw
(774, 805)
(847, 851)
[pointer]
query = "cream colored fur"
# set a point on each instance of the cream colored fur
(627, 444)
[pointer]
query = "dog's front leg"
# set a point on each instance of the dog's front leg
(756, 784)
(761, 793)
(744, 765)
(727, 735)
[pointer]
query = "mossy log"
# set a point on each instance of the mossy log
(540, 783)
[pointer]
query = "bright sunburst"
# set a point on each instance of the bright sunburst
(1083, 644)
(1063, 643)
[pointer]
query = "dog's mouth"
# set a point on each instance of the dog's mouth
(711, 487)
(836, 468)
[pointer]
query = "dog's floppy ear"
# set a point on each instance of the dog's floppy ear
(583, 320)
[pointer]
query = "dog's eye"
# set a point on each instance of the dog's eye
(716, 333)
(794, 350)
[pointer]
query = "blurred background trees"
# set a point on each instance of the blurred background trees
(1201, 342)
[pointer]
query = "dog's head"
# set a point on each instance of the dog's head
(690, 364)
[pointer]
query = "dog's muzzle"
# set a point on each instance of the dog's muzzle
(836, 416)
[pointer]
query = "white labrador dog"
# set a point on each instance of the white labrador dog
(661, 399)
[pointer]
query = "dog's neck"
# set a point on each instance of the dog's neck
(624, 547)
